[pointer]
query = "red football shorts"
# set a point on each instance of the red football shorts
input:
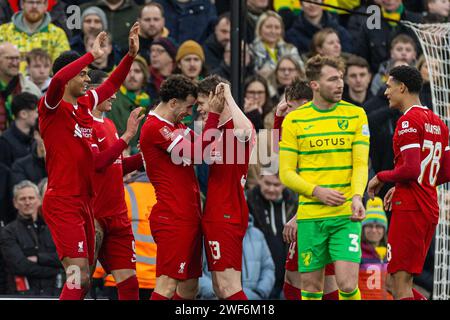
(223, 245)
(292, 261)
(409, 238)
(118, 248)
(71, 224)
(292, 257)
(178, 250)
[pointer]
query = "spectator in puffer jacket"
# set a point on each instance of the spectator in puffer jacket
(258, 269)
(28, 251)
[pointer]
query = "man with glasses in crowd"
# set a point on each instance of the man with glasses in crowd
(32, 28)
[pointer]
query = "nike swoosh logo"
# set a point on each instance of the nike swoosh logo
(308, 127)
(100, 140)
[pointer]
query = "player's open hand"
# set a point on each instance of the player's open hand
(225, 87)
(216, 101)
(358, 210)
(290, 230)
(374, 187)
(388, 199)
(133, 124)
(98, 48)
(329, 197)
(133, 40)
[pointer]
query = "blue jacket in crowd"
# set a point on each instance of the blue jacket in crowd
(193, 20)
(302, 32)
(258, 269)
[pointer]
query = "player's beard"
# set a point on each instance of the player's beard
(330, 97)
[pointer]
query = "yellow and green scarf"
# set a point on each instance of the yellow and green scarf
(394, 15)
(141, 99)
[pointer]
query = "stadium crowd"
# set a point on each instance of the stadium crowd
(192, 38)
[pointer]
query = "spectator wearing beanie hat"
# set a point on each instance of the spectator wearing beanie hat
(190, 61)
(132, 94)
(373, 268)
(162, 56)
(120, 16)
(93, 21)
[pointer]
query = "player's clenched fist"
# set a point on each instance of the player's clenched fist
(388, 199)
(358, 210)
(374, 187)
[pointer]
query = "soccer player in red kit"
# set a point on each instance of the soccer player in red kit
(168, 148)
(225, 218)
(421, 155)
(115, 247)
(65, 123)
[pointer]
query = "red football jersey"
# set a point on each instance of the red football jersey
(225, 199)
(176, 186)
(67, 133)
(109, 197)
(420, 128)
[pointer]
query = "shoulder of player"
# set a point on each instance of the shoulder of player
(350, 107)
(299, 112)
(413, 115)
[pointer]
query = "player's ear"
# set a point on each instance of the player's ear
(314, 85)
(172, 103)
(403, 88)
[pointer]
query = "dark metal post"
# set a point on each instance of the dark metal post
(238, 18)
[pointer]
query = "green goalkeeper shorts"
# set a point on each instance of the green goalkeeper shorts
(321, 242)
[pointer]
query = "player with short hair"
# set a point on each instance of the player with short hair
(65, 123)
(295, 95)
(168, 149)
(324, 157)
(225, 218)
(422, 158)
(114, 241)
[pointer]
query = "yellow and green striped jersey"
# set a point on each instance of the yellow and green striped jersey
(327, 148)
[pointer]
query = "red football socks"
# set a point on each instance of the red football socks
(334, 295)
(72, 294)
(128, 289)
(157, 296)
(240, 295)
(291, 292)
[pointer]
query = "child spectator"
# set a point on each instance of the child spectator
(39, 66)
(403, 48)
(373, 267)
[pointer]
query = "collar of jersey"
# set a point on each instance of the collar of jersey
(221, 125)
(98, 119)
(421, 107)
(151, 113)
(324, 111)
